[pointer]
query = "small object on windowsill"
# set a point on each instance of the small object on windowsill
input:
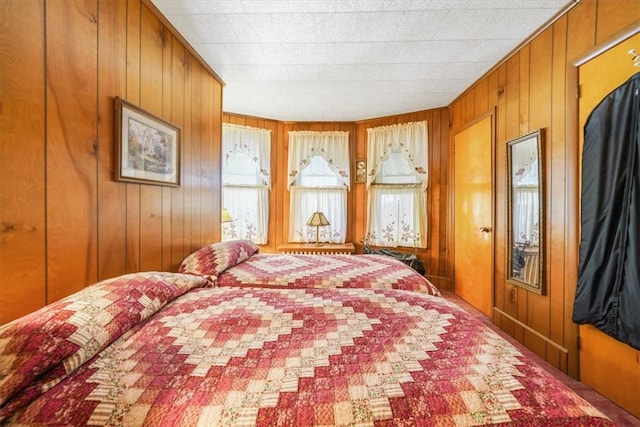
(225, 216)
(318, 220)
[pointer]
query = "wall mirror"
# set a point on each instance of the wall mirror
(525, 212)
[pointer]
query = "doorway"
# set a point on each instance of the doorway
(473, 214)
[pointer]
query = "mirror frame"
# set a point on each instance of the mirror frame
(539, 287)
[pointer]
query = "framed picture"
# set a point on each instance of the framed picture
(361, 170)
(147, 148)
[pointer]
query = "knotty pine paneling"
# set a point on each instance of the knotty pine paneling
(436, 256)
(65, 222)
(71, 141)
(532, 92)
(22, 158)
(112, 63)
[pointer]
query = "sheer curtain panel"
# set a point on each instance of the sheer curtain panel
(246, 179)
(318, 181)
(397, 179)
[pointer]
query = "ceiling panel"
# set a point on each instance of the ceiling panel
(347, 60)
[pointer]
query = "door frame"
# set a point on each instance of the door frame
(492, 113)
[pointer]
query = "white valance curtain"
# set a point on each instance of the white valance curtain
(332, 146)
(411, 139)
(253, 142)
(246, 179)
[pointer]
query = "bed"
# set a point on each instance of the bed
(206, 347)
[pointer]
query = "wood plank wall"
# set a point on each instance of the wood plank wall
(530, 91)
(65, 222)
(436, 256)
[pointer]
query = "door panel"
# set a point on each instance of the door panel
(473, 195)
(609, 366)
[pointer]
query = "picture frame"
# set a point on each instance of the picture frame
(147, 148)
(361, 171)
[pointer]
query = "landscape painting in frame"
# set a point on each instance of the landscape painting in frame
(147, 149)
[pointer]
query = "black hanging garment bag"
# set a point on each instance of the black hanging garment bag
(608, 292)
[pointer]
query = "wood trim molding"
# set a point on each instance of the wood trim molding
(531, 331)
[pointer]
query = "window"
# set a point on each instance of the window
(397, 213)
(318, 182)
(246, 182)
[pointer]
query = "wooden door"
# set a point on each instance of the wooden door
(473, 215)
(609, 366)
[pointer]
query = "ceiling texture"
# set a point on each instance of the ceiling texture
(351, 60)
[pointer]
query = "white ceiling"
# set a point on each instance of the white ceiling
(350, 60)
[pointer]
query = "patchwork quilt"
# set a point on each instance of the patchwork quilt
(325, 271)
(179, 352)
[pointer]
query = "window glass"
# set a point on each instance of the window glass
(318, 173)
(396, 170)
(241, 170)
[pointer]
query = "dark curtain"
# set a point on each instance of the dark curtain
(608, 292)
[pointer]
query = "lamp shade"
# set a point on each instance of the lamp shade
(225, 217)
(318, 220)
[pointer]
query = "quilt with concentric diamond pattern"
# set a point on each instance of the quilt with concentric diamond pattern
(324, 271)
(282, 357)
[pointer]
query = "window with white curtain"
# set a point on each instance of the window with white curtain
(246, 181)
(319, 178)
(397, 181)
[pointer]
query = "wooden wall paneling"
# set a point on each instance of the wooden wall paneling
(133, 96)
(22, 159)
(93, 51)
(455, 111)
(71, 146)
(178, 249)
(279, 184)
(210, 202)
(512, 130)
(522, 302)
(470, 105)
(498, 184)
(216, 104)
(359, 189)
(582, 28)
(540, 51)
(612, 15)
(351, 195)
(187, 150)
(432, 263)
(481, 97)
(500, 292)
(150, 101)
(557, 194)
(443, 257)
(284, 227)
(196, 156)
(112, 196)
(167, 192)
